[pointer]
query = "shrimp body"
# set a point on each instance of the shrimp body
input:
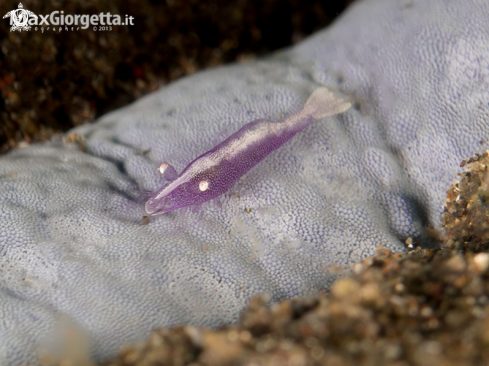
(215, 172)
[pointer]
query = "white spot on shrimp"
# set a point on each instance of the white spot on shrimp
(163, 167)
(203, 185)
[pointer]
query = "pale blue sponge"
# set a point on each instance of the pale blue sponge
(71, 235)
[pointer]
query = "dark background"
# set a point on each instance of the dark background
(52, 81)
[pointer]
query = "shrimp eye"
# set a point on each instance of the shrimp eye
(203, 185)
(163, 167)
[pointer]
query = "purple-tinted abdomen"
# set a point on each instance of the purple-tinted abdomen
(215, 172)
(241, 151)
(223, 165)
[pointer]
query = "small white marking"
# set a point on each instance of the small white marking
(203, 185)
(163, 167)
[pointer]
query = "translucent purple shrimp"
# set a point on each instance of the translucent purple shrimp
(215, 172)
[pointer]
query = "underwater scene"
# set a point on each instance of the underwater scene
(249, 183)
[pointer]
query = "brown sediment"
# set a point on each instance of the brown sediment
(466, 211)
(54, 80)
(425, 307)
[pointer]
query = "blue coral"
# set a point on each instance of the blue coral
(71, 236)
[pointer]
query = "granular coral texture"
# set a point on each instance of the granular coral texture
(72, 240)
(466, 211)
(426, 307)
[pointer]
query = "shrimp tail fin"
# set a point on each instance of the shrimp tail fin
(323, 103)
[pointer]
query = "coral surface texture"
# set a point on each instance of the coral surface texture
(73, 242)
